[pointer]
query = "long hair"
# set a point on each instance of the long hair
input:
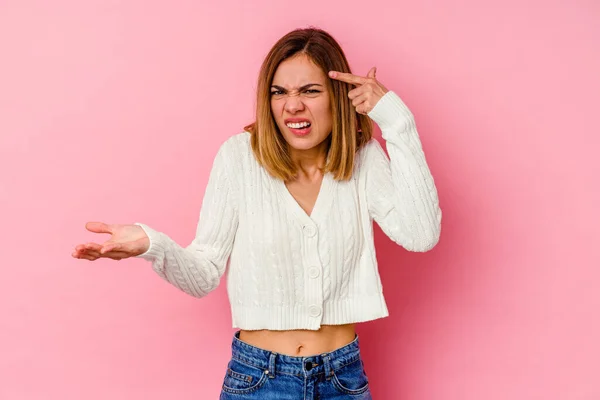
(350, 130)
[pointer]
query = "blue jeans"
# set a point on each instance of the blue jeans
(254, 373)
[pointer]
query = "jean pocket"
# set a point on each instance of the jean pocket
(351, 378)
(242, 378)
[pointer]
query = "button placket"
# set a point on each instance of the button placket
(313, 265)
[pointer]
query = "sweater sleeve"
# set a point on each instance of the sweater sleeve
(197, 269)
(401, 193)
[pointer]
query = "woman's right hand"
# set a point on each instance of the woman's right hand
(125, 241)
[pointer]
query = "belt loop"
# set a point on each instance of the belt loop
(272, 365)
(327, 365)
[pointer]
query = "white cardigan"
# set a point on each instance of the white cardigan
(288, 270)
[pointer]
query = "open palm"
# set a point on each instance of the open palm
(125, 241)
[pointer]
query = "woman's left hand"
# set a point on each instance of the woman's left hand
(367, 92)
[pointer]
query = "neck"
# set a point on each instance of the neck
(311, 161)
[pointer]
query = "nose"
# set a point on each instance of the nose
(293, 104)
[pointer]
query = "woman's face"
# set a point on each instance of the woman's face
(300, 103)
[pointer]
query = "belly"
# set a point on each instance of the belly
(301, 343)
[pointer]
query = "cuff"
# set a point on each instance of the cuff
(157, 245)
(390, 113)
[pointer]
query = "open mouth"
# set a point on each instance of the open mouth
(298, 125)
(300, 128)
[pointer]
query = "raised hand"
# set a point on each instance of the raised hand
(368, 89)
(125, 241)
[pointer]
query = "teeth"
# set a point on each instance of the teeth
(298, 125)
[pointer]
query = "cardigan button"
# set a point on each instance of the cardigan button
(315, 311)
(309, 230)
(314, 272)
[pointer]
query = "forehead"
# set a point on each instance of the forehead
(297, 71)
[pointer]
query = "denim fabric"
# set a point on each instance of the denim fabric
(254, 373)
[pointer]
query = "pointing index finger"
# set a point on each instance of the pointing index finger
(346, 77)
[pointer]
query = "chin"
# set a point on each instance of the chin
(302, 143)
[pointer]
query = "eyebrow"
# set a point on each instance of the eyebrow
(301, 88)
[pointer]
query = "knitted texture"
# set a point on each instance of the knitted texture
(288, 270)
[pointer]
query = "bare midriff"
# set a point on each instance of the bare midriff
(301, 343)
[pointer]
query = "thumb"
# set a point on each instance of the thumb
(372, 72)
(98, 227)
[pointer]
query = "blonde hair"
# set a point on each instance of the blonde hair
(350, 130)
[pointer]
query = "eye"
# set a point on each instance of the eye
(277, 92)
(312, 91)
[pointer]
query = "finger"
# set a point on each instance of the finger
(93, 246)
(372, 73)
(115, 255)
(109, 247)
(346, 77)
(113, 247)
(98, 227)
(93, 253)
(360, 99)
(82, 249)
(363, 108)
(88, 257)
(357, 91)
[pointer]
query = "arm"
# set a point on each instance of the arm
(197, 269)
(401, 194)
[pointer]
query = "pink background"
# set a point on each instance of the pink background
(114, 110)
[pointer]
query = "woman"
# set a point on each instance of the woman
(288, 213)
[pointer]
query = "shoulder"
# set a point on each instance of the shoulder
(235, 147)
(236, 143)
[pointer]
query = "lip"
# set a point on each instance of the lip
(298, 132)
(293, 120)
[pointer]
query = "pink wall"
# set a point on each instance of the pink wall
(113, 111)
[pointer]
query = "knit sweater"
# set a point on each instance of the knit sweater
(286, 269)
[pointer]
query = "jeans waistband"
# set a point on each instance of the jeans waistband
(304, 366)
